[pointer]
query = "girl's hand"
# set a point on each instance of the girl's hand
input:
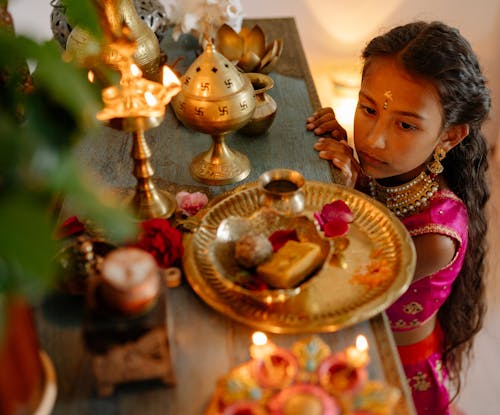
(323, 122)
(342, 157)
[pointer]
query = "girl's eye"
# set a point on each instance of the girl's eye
(407, 126)
(368, 110)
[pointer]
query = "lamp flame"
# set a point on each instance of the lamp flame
(150, 99)
(169, 77)
(259, 338)
(134, 69)
(90, 76)
(361, 343)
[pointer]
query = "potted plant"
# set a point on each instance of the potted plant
(41, 116)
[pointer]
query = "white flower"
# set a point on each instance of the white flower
(199, 16)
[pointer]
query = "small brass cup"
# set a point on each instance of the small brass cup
(281, 189)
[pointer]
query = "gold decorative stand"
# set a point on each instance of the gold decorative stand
(148, 201)
(135, 105)
(127, 349)
(219, 165)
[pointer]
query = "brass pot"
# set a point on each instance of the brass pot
(265, 105)
(118, 12)
(282, 189)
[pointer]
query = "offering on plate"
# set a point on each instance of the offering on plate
(290, 264)
(252, 249)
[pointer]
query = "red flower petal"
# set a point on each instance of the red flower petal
(337, 209)
(336, 227)
(162, 240)
(70, 227)
(279, 238)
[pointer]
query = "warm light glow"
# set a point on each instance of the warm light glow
(169, 77)
(134, 69)
(150, 99)
(357, 356)
(361, 343)
(259, 338)
(261, 348)
(344, 112)
(346, 80)
(90, 76)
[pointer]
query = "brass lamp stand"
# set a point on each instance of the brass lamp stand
(136, 105)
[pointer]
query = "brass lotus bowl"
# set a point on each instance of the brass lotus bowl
(249, 49)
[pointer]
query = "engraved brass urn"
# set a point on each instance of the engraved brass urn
(114, 15)
(216, 99)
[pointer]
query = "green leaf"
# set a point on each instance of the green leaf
(84, 13)
(27, 248)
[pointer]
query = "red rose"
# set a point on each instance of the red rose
(162, 240)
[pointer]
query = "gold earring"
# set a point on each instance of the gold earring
(435, 166)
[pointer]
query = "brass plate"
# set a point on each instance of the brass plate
(331, 300)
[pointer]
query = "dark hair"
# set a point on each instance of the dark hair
(440, 54)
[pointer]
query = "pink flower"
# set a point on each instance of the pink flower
(334, 218)
(191, 203)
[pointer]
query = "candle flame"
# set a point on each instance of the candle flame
(90, 76)
(169, 77)
(361, 343)
(134, 69)
(259, 338)
(150, 99)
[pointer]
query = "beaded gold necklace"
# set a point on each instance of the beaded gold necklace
(408, 198)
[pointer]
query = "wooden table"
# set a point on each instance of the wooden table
(204, 343)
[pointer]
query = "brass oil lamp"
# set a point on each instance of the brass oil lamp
(215, 99)
(137, 104)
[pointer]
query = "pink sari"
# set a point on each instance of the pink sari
(422, 361)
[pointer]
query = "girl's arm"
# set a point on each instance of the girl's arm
(434, 252)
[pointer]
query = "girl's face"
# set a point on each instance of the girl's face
(398, 121)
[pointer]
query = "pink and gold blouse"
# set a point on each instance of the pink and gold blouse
(446, 215)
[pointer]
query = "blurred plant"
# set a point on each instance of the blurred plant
(41, 116)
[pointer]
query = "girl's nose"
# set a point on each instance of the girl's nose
(377, 136)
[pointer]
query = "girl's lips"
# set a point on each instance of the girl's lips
(367, 159)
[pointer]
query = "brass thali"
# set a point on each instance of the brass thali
(376, 267)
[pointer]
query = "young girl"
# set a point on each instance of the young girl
(421, 152)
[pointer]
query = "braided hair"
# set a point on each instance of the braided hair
(441, 55)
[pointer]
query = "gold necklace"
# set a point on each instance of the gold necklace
(407, 198)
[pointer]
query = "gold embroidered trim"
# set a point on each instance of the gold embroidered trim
(446, 194)
(412, 308)
(420, 382)
(436, 228)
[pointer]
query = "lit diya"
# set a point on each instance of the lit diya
(303, 399)
(345, 372)
(273, 367)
